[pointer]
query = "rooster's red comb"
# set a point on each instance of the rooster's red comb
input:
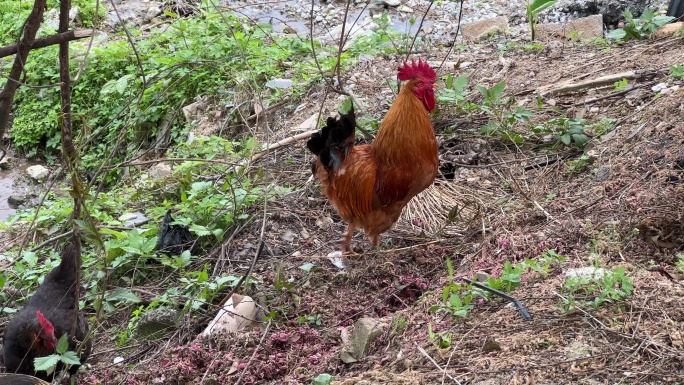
(44, 323)
(420, 69)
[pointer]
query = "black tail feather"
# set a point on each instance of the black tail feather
(334, 140)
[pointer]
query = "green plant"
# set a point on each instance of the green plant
(533, 9)
(602, 286)
(679, 263)
(564, 130)
(313, 319)
(441, 340)
(62, 354)
(458, 299)
(677, 72)
(580, 165)
(620, 85)
(454, 90)
(640, 28)
(502, 118)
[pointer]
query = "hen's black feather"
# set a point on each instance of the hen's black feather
(333, 142)
(20, 379)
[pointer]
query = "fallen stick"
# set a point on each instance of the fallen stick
(49, 40)
(600, 81)
(271, 147)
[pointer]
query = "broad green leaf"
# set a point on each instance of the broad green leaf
(122, 294)
(617, 34)
(70, 358)
(62, 344)
(30, 257)
(537, 6)
(46, 363)
(460, 83)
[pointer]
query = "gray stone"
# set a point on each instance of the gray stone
(279, 83)
(581, 29)
(366, 331)
(37, 172)
(480, 29)
(391, 3)
(585, 273)
(14, 200)
(6, 163)
(159, 170)
(153, 11)
(154, 323)
(132, 219)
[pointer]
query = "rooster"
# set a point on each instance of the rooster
(369, 185)
(49, 314)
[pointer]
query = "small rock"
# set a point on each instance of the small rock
(659, 87)
(280, 83)
(481, 276)
(405, 9)
(582, 29)
(159, 170)
(132, 219)
(14, 200)
(366, 331)
(154, 323)
(391, 3)
(153, 11)
(480, 29)
(668, 30)
(118, 360)
(288, 236)
(37, 172)
(585, 272)
(6, 163)
(308, 124)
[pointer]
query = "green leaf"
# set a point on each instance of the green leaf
(62, 344)
(537, 6)
(323, 379)
(566, 139)
(70, 358)
(346, 105)
(122, 294)
(617, 34)
(307, 267)
(460, 83)
(47, 363)
(31, 258)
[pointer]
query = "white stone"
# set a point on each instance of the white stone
(37, 172)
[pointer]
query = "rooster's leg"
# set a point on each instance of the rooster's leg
(346, 241)
(375, 241)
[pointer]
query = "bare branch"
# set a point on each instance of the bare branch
(48, 41)
(30, 30)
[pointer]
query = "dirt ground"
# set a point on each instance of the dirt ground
(625, 209)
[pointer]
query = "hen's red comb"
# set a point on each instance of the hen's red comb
(421, 69)
(44, 323)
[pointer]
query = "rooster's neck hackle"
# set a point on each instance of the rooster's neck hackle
(406, 132)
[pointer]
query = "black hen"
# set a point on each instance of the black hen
(49, 314)
(20, 379)
(174, 239)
